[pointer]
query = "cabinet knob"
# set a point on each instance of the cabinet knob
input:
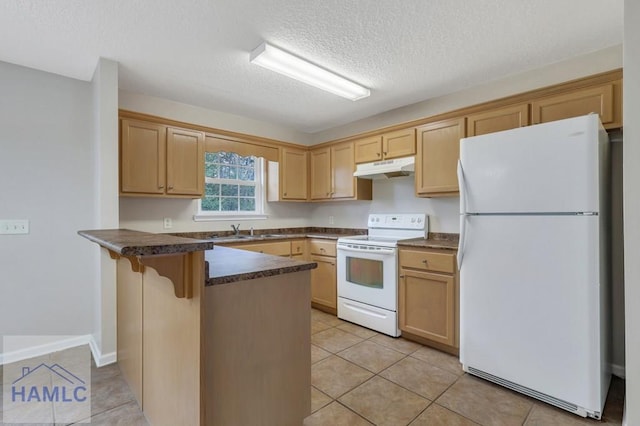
(401, 276)
(385, 153)
(327, 193)
(285, 194)
(424, 261)
(160, 186)
(171, 187)
(378, 154)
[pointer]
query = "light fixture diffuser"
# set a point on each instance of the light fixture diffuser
(285, 63)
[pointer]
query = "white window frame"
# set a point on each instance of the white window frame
(260, 197)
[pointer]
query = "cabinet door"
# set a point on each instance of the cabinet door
(185, 162)
(142, 157)
(320, 164)
(427, 305)
(498, 120)
(368, 149)
(299, 249)
(323, 282)
(276, 248)
(293, 174)
(437, 157)
(342, 168)
(580, 102)
(401, 143)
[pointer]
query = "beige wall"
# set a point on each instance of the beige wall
(631, 178)
(209, 118)
(105, 108)
(48, 276)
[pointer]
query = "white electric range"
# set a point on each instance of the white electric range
(368, 270)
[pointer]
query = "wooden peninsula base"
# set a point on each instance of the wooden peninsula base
(224, 341)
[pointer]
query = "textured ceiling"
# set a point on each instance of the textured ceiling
(197, 51)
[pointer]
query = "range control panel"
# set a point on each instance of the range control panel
(398, 221)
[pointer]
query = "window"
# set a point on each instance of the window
(233, 186)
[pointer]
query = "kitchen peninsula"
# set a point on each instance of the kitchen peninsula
(211, 336)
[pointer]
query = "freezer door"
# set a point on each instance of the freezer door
(551, 167)
(529, 303)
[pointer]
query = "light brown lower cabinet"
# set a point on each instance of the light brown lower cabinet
(276, 248)
(429, 298)
(324, 292)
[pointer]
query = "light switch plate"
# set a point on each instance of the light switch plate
(13, 227)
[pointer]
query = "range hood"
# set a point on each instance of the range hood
(386, 169)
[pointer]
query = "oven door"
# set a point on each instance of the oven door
(368, 275)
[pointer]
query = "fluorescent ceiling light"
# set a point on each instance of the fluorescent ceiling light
(285, 63)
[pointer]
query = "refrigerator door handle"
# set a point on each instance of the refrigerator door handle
(462, 190)
(460, 254)
(463, 215)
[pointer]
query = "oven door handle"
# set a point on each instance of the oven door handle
(382, 250)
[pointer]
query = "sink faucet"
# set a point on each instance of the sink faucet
(236, 229)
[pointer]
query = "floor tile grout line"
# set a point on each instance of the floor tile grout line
(420, 413)
(456, 413)
(355, 412)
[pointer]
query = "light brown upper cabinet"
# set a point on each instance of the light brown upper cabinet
(320, 170)
(332, 178)
(157, 160)
(598, 99)
(437, 158)
(185, 162)
(293, 174)
(496, 120)
(399, 143)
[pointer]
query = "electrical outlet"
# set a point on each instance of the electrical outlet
(330, 220)
(12, 227)
(168, 224)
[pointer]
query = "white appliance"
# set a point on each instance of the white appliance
(532, 260)
(368, 270)
(385, 169)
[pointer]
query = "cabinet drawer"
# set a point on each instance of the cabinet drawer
(297, 247)
(322, 247)
(432, 261)
(278, 248)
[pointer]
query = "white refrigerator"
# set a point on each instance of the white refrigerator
(533, 261)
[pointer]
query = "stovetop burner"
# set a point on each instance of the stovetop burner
(387, 229)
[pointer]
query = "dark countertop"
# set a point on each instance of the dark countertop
(227, 265)
(135, 243)
(434, 240)
(227, 237)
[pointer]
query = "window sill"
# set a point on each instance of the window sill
(213, 218)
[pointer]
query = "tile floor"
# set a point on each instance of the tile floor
(112, 403)
(360, 377)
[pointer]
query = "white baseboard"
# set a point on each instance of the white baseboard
(617, 370)
(34, 351)
(100, 358)
(60, 345)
